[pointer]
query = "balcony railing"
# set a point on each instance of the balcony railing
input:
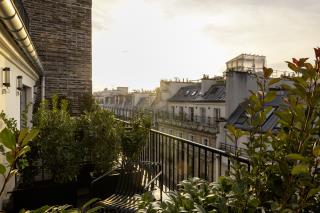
(202, 123)
(22, 12)
(233, 149)
(181, 159)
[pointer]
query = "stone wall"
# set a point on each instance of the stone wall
(61, 31)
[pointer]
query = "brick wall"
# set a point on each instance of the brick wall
(61, 32)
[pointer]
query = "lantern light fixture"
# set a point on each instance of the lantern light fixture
(6, 77)
(19, 83)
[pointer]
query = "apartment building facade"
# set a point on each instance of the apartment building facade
(20, 69)
(195, 111)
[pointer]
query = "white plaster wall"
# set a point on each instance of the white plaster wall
(10, 97)
(11, 56)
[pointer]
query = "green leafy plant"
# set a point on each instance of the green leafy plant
(16, 145)
(87, 103)
(99, 139)
(134, 138)
(86, 208)
(284, 174)
(56, 143)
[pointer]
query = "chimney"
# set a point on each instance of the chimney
(206, 84)
(240, 80)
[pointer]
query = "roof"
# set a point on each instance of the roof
(143, 102)
(239, 117)
(216, 93)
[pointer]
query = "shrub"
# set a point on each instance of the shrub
(99, 139)
(56, 143)
(134, 138)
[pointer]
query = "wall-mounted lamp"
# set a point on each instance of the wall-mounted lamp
(19, 83)
(35, 89)
(6, 77)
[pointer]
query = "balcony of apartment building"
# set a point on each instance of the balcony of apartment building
(188, 121)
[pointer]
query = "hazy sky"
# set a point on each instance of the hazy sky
(137, 43)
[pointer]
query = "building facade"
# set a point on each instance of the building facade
(61, 30)
(194, 112)
(20, 70)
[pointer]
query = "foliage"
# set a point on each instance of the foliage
(86, 208)
(284, 174)
(98, 138)
(56, 143)
(15, 144)
(87, 103)
(134, 138)
(10, 123)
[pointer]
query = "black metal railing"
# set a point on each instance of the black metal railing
(22, 12)
(185, 120)
(181, 159)
(233, 149)
(202, 123)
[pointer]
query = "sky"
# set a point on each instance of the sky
(136, 43)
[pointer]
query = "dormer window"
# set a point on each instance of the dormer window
(194, 93)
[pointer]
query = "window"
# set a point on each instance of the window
(194, 93)
(170, 132)
(202, 114)
(191, 114)
(191, 137)
(180, 134)
(172, 111)
(181, 113)
(217, 113)
(205, 142)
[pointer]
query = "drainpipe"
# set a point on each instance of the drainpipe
(43, 87)
(12, 20)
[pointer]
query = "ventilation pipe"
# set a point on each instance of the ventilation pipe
(12, 20)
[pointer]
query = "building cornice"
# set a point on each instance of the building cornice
(10, 17)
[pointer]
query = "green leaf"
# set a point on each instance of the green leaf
(10, 157)
(316, 151)
(22, 134)
(295, 156)
(32, 134)
(267, 72)
(7, 138)
(87, 204)
(95, 209)
(312, 192)
(270, 96)
(274, 81)
(2, 169)
(23, 151)
(299, 169)
(292, 66)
